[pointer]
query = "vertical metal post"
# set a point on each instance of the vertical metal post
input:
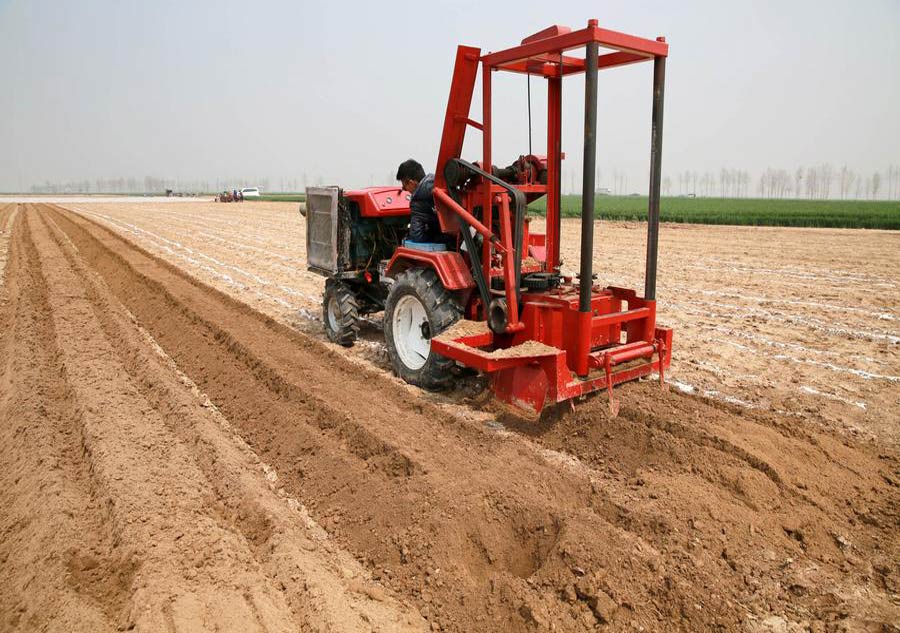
(659, 80)
(554, 169)
(589, 164)
(487, 198)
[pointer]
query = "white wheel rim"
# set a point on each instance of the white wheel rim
(334, 314)
(412, 346)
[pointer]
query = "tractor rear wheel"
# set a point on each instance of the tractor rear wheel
(340, 312)
(419, 308)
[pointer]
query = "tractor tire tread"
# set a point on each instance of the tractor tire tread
(444, 311)
(348, 306)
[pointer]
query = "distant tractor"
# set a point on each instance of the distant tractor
(492, 297)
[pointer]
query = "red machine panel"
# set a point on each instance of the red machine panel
(449, 266)
(379, 202)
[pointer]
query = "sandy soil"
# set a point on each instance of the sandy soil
(177, 457)
(799, 321)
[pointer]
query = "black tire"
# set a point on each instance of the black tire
(440, 312)
(340, 313)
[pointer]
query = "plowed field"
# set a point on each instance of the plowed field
(180, 450)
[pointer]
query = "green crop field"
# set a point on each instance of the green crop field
(757, 212)
(858, 214)
(283, 197)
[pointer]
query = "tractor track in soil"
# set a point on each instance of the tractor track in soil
(312, 492)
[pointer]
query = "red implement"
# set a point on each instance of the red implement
(543, 337)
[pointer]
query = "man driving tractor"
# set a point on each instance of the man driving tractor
(423, 221)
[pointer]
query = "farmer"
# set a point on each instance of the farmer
(423, 221)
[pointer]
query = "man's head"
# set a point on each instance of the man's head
(410, 174)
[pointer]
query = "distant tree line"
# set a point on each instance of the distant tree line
(818, 182)
(149, 184)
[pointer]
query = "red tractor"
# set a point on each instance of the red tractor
(495, 300)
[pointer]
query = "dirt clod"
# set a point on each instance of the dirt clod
(600, 603)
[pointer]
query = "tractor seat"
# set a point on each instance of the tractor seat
(424, 246)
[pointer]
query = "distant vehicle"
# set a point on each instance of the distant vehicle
(250, 192)
(604, 191)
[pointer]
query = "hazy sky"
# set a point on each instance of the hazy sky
(342, 92)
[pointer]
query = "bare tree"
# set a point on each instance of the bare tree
(827, 177)
(811, 183)
(876, 185)
(844, 181)
(706, 183)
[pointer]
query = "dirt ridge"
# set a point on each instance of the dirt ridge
(575, 518)
(321, 589)
(150, 547)
(149, 423)
(49, 499)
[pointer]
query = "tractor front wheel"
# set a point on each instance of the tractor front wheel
(419, 308)
(340, 312)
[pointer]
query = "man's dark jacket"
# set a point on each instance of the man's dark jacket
(423, 221)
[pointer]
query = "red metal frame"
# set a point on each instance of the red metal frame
(544, 377)
(556, 344)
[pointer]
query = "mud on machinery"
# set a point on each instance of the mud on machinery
(494, 300)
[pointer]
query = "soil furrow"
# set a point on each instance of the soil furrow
(148, 481)
(8, 213)
(482, 529)
(338, 487)
(56, 534)
(324, 592)
(686, 485)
